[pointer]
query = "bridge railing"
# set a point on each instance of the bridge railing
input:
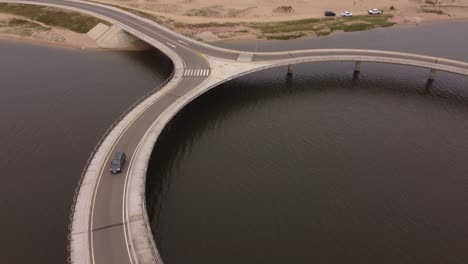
(93, 153)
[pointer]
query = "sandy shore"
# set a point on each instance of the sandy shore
(18, 28)
(180, 15)
(203, 11)
(22, 29)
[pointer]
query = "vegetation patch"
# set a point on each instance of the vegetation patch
(284, 9)
(432, 11)
(233, 12)
(285, 36)
(217, 11)
(320, 25)
(21, 27)
(286, 26)
(208, 25)
(15, 22)
(73, 21)
(323, 33)
(353, 22)
(211, 11)
(292, 29)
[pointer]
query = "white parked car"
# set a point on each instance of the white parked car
(374, 11)
(346, 14)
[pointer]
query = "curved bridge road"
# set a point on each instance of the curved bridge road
(103, 236)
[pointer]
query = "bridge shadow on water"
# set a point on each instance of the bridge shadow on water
(184, 177)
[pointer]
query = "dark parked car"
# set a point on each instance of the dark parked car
(117, 162)
(330, 13)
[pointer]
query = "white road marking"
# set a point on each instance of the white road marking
(185, 43)
(99, 181)
(124, 203)
(196, 72)
(172, 45)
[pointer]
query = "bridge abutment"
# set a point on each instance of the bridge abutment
(115, 38)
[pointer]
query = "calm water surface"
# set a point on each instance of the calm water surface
(448, 39)
(321, 168)
(55, 103)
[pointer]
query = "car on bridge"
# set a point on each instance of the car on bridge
(117, 162)
(375, 11)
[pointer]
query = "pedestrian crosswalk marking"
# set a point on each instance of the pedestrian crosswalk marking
(196, 72)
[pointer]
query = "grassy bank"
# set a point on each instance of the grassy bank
(55, 17)
(25, 24)
(272, 30)
(21, 27)
(299, 28)
(320, 26)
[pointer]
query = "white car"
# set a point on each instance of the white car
(374, 11)
(346, 14)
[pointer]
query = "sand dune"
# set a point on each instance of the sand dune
(200, 11)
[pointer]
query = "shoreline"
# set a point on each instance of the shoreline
(45, 43)
(60, 27)
(397, 25)
(81, 41)
(76, 46)
(435, 21)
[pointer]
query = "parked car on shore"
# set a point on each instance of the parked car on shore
(346, 14)
(375, 11)
(330, 13)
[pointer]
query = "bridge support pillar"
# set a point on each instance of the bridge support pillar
(290, 71)
(431, 75)
(357, 68)
(430, 79)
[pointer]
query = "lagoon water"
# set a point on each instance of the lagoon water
(55, 103)
(321, 167)
(264, 169)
